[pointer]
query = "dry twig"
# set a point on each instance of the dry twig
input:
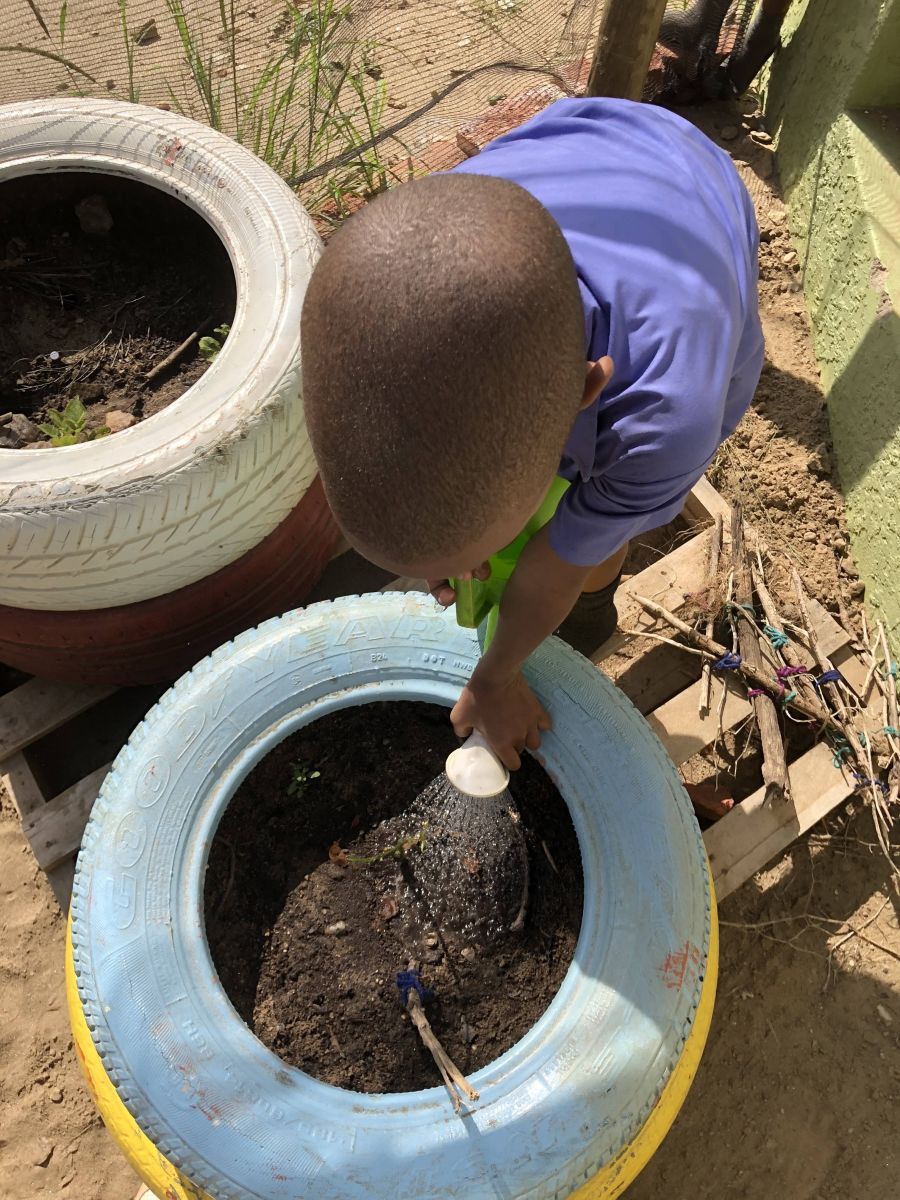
(774, 764)
(715, 547)
(454, 1080)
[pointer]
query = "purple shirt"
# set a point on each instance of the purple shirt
(665, 241)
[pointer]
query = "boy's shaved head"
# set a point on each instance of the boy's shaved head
(443, 364)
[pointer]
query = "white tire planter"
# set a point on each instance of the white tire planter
(586, 1095)
(188, 491)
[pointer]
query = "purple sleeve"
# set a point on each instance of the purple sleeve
(598, 516)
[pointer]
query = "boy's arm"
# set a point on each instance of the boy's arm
(538, 597)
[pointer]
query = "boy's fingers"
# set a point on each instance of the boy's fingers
(442, 591)
(544, 721)
(534, 738)
(483, 572)
(509, 756)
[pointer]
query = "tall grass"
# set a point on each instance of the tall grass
(318, 96)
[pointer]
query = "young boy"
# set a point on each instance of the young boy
(579, 298)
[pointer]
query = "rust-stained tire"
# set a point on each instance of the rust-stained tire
(157, 640)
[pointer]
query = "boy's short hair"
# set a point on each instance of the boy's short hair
(443, 362)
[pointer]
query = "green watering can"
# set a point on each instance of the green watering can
(477, 602)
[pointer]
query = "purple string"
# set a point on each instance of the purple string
(755, 692)
(787, 672)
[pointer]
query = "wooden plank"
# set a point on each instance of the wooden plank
(40, 706)
(682, 729)
(704, 503)
(18, 779)
(55, 829)
(667, 581)
(61, 879)
(628, 32)
(754, 832)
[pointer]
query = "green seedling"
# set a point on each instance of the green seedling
(397, 851)
(301, 778)
(67, 428)
(211, 345)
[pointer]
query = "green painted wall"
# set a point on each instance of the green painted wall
(839, 159)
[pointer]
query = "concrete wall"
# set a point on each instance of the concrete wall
(832, 100)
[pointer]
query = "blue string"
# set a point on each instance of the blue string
(778, 639)
(831, 676)
(789, 697)
(893, 670)
(862, 781)
(728, 662)
(863, 740)
(411, 981)
(891, 731)
(841, 749)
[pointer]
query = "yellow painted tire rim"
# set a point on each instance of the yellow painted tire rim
(168, 1183)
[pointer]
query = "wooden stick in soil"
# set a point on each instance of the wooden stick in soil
(715, 547)
(823, 663)
(454, 1080)
(716, 650)
(890, 690)
(179, 352)
(789, 651)
(774, 765)
(625, 44)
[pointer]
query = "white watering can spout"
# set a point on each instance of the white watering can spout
(475, 770)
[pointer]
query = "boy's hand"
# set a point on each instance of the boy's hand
(505, 710)
(444, 593)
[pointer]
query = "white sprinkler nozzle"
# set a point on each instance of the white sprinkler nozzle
(475, 770)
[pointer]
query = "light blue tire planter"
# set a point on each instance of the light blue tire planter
(559, 1106)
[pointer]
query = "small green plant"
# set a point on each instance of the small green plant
(301, 777)
(211, 345)
(397, 851)
(67, 427)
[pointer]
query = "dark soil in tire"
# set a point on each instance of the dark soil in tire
(101, 279)
(308, 945)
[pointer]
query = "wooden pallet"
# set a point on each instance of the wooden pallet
(661, 681)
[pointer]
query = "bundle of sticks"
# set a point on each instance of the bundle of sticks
(785, 671)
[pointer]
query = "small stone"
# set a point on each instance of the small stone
(789, 256)
(19, 426)
(777, 217)
(338, 929)
(389, 908)
(848, 566)
(857, 589)
(820, 462)
(759, 452)
(468, 953)
(147, 34)
(55, 1095)
(810, 537)
(839, 543)
(94, 216)
(7, 442)
(761, 137)
(43, 1153)
(468, 145)
(885, 1014)
(729, 132)
(110, 85)
(115, 421)
(88, 391)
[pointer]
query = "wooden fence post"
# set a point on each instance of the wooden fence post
(625, 44)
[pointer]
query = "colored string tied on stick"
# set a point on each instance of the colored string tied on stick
(789, 696)
(787, 672)
(777, 637)
(840, 748)
(863, 781)
(891, 731)
(751, 692)
(831, 676)
(411, 981)
(728, 662)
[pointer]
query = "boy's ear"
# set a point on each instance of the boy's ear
(597, 377)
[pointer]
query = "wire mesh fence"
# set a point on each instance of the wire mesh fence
(343, 97)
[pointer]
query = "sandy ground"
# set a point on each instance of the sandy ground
(797, 1093)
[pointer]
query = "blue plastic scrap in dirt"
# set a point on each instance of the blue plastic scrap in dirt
(411, 981)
